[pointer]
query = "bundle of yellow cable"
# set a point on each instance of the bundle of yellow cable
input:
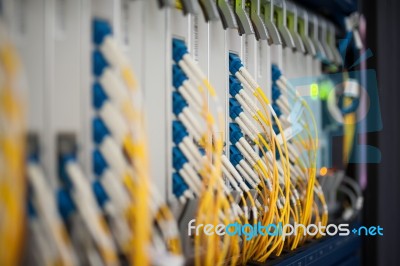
(135, 145)
(282, 191)
(216, 204)
(12, 155)
(306, 141)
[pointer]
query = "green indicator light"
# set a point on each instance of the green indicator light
(314, 91)
(325, 88)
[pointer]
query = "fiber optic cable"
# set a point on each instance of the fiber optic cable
(237, 91)
(189, 174)
(108, 179)
(187, 117)
(353, 191)
(237, 69)
(103, 38)
(181, 189)
(180, 130)
(46, 208)
(118, 227)
(42, 250)
(135, 145)
(114, 200)
(182, 140)
(282, 82)
(115, 158)
(88, 209)
(213, 190)
(12, 158)
(350, 104)
(115, 89)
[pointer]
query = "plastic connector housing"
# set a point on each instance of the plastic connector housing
(178, 103)
(99, 63)
(234, 63)
(235, 134)
(100, 130)
(179, 160)
(99, 163)
(100, 193)
(100, 28)
(179, 132)
(179, 49)
(234, 86)
(99, 95)
(178, 76)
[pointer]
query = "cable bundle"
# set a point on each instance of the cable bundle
(269, 173)
(199, 161)
(303, 152)
(12, 148)
(287, 176)
(122, 144)
(271, 164)
(50, 243)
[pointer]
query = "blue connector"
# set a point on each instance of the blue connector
(178, 103)
(99, 63)
(100, 131)
(234, 86)
(179, 132)
(276, 92)
(260, 151)
(234, 108)
(179, 159)
(202, 151)
(178, 76)
(277, 155)
(277, 110)
(179, 185)
(33, 157)
(234, 63)
(65, 203)
(101, 28)
(31, 209)
(99, 163)
(99, 95)
(100, 193)
(63, 160)
(235, 155)
(275, 128)
(179, 49)
(235, 134)
(276, 72)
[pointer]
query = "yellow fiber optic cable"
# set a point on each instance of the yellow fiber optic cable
(135, 146)
(12, 156)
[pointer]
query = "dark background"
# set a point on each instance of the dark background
(383, 192)
(382, 195)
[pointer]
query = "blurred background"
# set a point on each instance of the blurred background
(107, 148)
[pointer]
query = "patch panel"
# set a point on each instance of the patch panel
(147, 115)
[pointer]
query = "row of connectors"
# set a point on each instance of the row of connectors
(80, 202)
(108, 132)
(189, 132)
(50, 206)
(241, 128)
(120, 159)
(186, 181)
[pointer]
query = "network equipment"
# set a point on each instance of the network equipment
(153, 125)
